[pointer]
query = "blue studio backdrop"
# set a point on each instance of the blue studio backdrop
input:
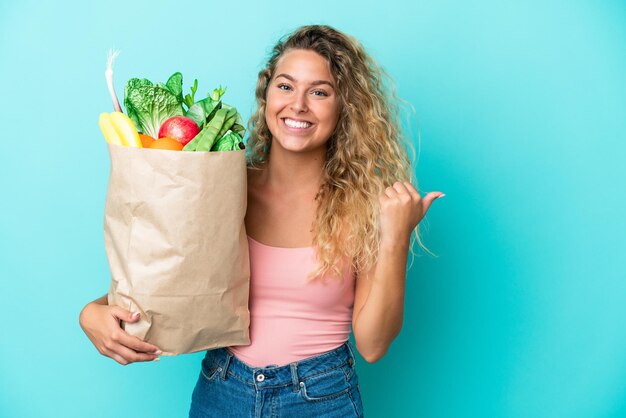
(520, 118)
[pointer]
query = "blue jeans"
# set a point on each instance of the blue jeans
(321, 386)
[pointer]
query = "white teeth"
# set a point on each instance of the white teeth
(295, 124)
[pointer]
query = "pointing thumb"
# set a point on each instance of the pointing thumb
(430, 198)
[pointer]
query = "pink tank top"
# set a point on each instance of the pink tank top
(291, 319)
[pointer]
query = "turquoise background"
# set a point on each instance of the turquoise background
(520, 111)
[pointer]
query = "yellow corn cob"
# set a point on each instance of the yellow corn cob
(109, 132)
(126, 130)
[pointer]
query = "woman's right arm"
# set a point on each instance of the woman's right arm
(101, 323)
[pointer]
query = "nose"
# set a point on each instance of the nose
(299, 103)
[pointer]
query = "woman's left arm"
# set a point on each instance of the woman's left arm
(379, 296)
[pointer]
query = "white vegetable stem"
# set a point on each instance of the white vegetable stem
(108, 74)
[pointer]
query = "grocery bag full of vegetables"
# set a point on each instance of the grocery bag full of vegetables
(174, 217)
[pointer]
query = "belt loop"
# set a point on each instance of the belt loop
(294, 377)
(352, 359)
(226, 364)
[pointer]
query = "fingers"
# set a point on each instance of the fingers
(125, 356)
(399, 188)
(123, 347)
(402, 188)
(137, 345)
(390, 192)
(414, 194)
(133, 356)
(117, 358)
(404, 193)
(124, 315)
(117, 347)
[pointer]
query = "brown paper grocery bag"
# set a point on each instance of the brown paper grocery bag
(176, 243)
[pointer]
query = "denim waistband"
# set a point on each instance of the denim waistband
(278, 376)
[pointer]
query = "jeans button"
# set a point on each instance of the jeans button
(260, 378)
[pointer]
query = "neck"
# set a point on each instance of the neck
(291, 172)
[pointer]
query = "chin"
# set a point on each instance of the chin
(296, 143)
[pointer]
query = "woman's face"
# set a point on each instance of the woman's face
(302, 107)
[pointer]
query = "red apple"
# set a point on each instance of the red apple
(180, 128)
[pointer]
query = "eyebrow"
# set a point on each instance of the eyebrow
(313, 83)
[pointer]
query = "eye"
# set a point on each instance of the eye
(280, 86)
(320, 91)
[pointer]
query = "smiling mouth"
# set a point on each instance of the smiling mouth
(293, 124)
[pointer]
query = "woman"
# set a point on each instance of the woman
(330, 215)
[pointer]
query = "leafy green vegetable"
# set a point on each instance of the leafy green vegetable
(207, 136)
(229, 142)
(201, 110)
(238, 129)
(150, 105)
(223, 129)
(218, 93)
(175, 85)
(189, 98)
(134, 83)
(229, 119)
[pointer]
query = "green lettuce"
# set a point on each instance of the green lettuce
(149, 105)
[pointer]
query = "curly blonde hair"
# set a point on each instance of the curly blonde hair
(366, 153)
